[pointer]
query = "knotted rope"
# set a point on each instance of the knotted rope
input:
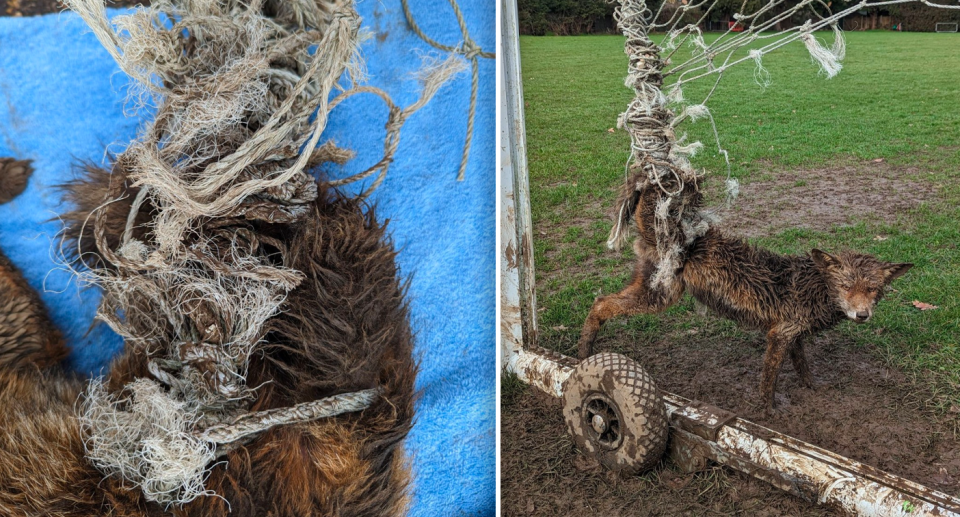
(654, 156)
(242, 100)
(472, 52)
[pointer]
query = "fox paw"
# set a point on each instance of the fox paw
(810, 384)
(13, 177)
(768, 407)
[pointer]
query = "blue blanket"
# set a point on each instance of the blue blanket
(63, 101)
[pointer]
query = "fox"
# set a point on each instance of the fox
(788, 297)
(344, 328)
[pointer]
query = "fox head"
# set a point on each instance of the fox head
(857, 281)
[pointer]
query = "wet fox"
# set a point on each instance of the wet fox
(344, 328)
(787, 297)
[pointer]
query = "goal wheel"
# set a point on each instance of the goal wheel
(615, 413)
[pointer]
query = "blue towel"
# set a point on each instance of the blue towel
(63, 101)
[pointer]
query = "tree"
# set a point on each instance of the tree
(561, 17)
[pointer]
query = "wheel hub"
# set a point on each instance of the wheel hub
(602, 417)
(599, 425)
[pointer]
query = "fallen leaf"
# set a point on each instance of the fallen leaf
(611, 130)
(878, 160)
(955, 409)
(530, 507)
(559, 327)
(924, 306)
(880, 238)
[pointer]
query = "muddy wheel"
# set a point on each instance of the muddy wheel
(615, 413)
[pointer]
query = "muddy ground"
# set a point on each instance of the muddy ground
(860, 408)
(819, 199)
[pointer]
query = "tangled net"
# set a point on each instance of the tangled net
(658, 157)
(243, 91)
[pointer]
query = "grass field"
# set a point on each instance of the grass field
(897, 99)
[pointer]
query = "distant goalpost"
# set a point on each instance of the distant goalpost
(946, 27)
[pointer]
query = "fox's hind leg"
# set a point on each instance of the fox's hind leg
(799, 359)
(637, 298)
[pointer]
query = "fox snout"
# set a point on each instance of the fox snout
(858, 304)
(860, 316)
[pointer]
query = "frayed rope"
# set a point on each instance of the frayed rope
(242, 99)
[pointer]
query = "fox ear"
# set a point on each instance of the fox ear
(895, 271)
(824, 260)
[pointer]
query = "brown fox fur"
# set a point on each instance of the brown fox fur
(345, 328)
(13, 177)
(788, 297)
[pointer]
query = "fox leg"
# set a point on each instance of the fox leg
(799, 359)
(27, 336)
(13, 177)
(637, 298)
(780, 340)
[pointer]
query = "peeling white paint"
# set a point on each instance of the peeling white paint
(534, 369)
(839, 485)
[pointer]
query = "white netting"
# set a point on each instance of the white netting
(242, 99)
(660, 105)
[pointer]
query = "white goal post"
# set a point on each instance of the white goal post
(946, 27)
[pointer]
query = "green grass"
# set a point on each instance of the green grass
(897, 98)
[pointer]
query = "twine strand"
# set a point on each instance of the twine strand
(469, 50)
(242, 98)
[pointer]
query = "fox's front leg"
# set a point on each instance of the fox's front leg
(781, 339)
(637, 298)
(799, 359)
(28, 337)
(13, 177)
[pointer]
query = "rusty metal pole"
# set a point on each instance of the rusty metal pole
(699, 432)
